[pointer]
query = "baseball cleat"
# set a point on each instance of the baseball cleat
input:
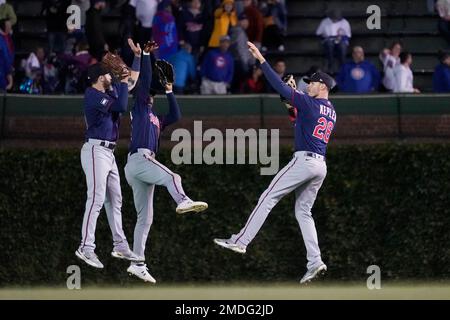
(141, 271)
(189, 205)
(313, 273)
(228, 244)
(125, 254)
(90, 258)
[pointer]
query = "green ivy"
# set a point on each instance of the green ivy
(387, 205)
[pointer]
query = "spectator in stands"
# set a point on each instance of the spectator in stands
(441, 75)
(358, 75)
(224, 17)
(275, 24)
(336, 33)
(165, 30)
(255, 83)
(7, 12)
(94, 29)
(56, 18)
(403, 74)
(390, 59)
(217, 69)
(184, 64)
(34, 63)
(280, 69)
(301, 84)
(75, 35)
(192, 27)
(34, 70)
(6, 56)
(256, 23)
(77, 65)
(443, 9)
(243, 60)
(145, 13)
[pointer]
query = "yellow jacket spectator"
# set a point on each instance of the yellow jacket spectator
(224, 17)
(7, 12)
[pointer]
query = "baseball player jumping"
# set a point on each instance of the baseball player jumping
(142, 171)
(104, 102)
(305, 173)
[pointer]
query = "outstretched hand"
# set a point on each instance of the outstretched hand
(150, 46)
(136, 48)
(255, 52)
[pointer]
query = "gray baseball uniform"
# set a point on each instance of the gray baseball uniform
(102, 113)
(142, 170)
(304, 174)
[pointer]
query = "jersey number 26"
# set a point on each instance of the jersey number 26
(323, 129)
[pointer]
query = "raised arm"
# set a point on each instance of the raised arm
(275, 81)
(174, 113)
(136, 67)
(145, 79)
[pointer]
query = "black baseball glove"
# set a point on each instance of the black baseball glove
(165, 72)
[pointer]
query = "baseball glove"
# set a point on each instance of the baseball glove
(165, 72)
(115, 65)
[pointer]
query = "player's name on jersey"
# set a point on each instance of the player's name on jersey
(327, 111)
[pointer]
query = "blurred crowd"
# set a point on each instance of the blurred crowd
(205, 40)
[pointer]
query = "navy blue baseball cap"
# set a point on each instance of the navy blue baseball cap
(95, 71)
(322, 77)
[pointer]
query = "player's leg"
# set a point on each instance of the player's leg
(96, 166)
(305, 196)
(287, 180)
(143, 202)
(153, 172)
(113, 208)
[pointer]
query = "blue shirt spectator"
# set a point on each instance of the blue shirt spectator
(6, 57)
(217, 69)
(165, 30)
(358, 75)
(218, 66)
(441, 75)
(192, 27)
(184, 65)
